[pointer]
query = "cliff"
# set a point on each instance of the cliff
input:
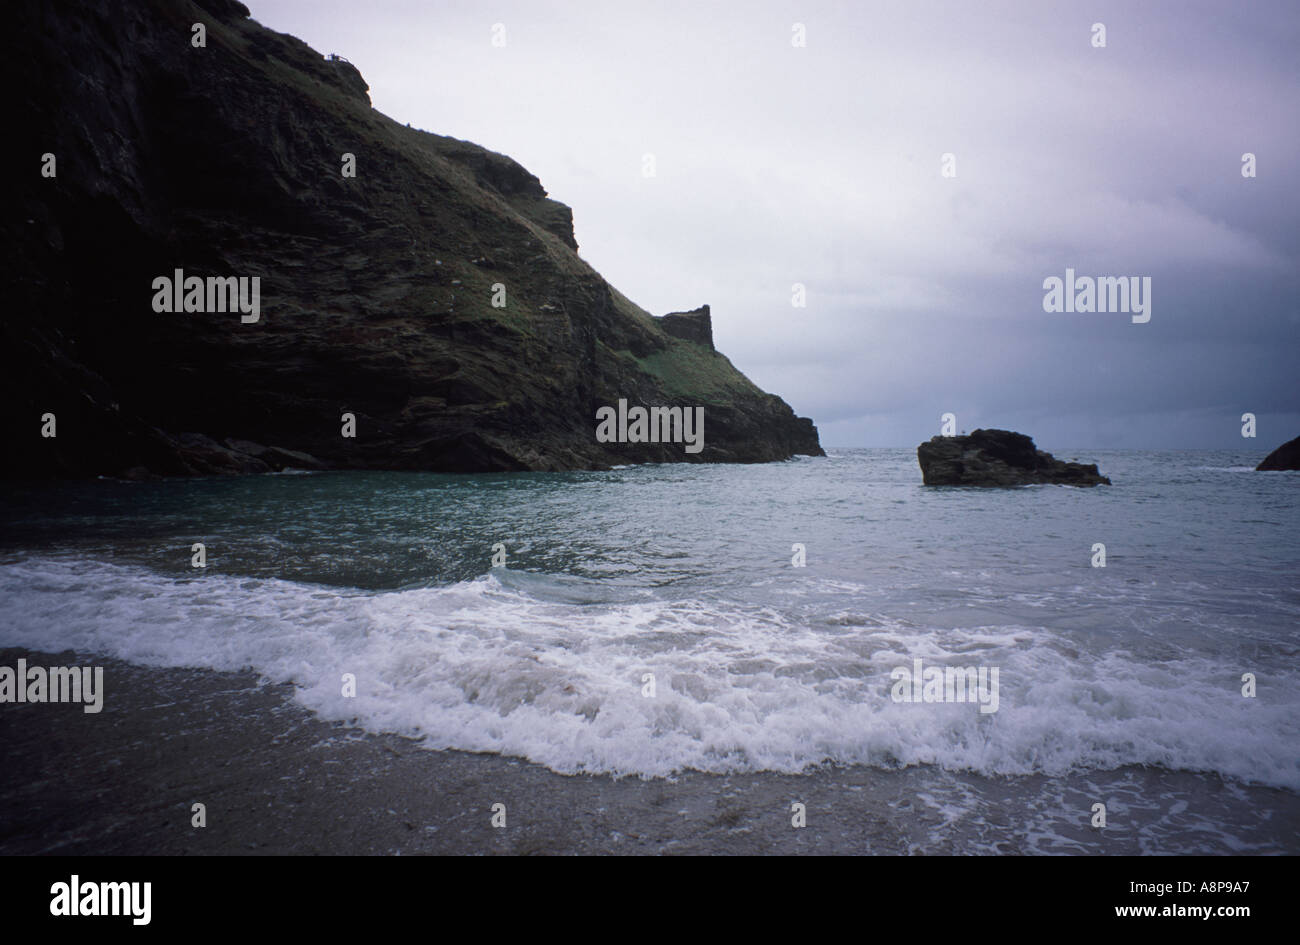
(376, 291)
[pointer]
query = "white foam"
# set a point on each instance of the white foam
(489, 665)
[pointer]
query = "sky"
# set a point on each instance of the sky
(822, 164)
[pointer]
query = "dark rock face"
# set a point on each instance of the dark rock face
(696, 326)
(376, 290)
(998, 458)
(1286, 456)
(350, 77)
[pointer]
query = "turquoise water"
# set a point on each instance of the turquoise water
(684, 573)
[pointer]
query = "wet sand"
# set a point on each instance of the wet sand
(275, 779)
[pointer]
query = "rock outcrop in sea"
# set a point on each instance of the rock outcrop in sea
(1286, 456)
(436, 295)
(998, 458)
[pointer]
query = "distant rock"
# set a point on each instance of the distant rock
(1286, 456)
(998, 458)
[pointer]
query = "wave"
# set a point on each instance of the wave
(552, 669)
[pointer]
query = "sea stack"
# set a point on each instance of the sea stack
(998, 458)
(1286, 456)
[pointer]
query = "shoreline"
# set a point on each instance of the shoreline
(275, 779)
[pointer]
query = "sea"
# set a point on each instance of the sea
(652, 620)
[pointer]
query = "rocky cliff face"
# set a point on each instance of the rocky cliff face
(694, 326)
(998, 458)
(376, 291)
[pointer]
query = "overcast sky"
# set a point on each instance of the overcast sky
(777, 164)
